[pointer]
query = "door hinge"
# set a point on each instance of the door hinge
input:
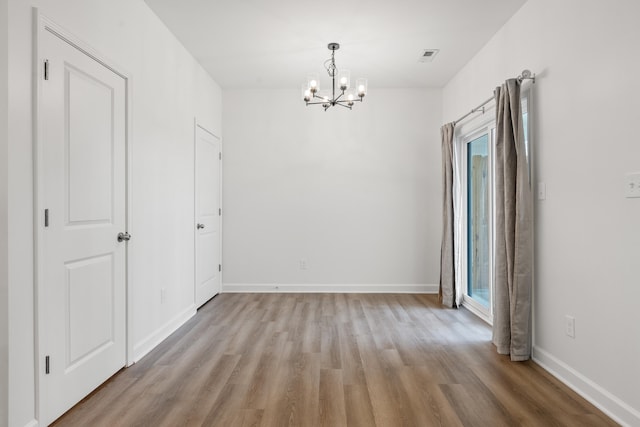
(46, 69)
(46, 365)
(46, 217)
(220, 156)
(219, 267)
(219, 211)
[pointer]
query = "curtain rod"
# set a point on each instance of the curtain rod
(525, 75)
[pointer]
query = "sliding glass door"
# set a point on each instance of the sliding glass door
(476, 145)
(479, 220)
(478, 217)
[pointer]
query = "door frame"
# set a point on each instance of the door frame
(487, 127)
(42, 25)
(198, 124)
(463, 135)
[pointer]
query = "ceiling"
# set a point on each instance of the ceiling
(266, 44)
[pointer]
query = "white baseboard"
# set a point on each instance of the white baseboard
(32, 423)
(324, 289)
(152, 340)
(611, 405)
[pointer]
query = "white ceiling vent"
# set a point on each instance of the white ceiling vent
(428, 55)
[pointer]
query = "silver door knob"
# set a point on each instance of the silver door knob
(199, 226)
(124, 237)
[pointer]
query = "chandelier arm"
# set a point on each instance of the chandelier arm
(321, 97)
(342, 105)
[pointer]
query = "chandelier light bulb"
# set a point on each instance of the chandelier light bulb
(361, 90)
(307, 95)
(350, 99)
(343, 83)
(313, 86)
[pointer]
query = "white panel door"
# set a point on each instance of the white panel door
(208, 241)
(83, 189)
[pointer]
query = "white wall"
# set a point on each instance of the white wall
(4, 231)
(169, 89)
(356, 194)
(587, 234)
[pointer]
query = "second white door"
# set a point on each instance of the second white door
(208, 214)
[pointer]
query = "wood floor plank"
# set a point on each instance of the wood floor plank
(330, 345)
(408, 403)
(351, 361)
(275, 360)
(192, 405)
(435, 402)
(332, 412)
(265, 375)
(227, 406)
(294, 398)
(385, 411)
(476, 406)
(251, 417)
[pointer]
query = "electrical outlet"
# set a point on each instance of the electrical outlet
(303, 264)
(542, 191)
(163, 295)
(632, 185)
(570, 326)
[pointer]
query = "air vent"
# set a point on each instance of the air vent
(428, 55)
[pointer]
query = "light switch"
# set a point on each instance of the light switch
(632, 185)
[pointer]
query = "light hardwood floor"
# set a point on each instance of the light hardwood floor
(331, 360)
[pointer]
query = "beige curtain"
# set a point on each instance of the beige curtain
(514, 225)
(447, 290)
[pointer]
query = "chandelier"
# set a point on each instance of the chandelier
(345, 97)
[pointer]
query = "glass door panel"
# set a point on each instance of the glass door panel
(478, 221)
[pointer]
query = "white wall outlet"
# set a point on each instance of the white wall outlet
(570, 326)
(632, 185)
(303, 264)
(163, 295)
(542, 191)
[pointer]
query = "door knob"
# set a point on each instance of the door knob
(124, 237)
(199, 226)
